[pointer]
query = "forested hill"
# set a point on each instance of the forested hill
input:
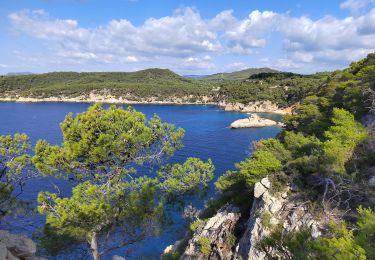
(308, 193)
(244, 86)
(144, 83)
(238, 75)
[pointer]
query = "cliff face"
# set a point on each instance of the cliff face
(212, 240)
(255, 107)
(268, 210)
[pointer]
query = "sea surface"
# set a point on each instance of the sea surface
(207, 136)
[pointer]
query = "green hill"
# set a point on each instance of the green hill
(238, 75)
(144, 83)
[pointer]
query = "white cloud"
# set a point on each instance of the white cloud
(184, 40)
(355, 5)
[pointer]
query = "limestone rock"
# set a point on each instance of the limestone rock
(255, 107)
(371, 182)
(16, 247)
(254, 121)
(292, 215)
(217, 231)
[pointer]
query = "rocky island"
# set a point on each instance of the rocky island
(254, 121)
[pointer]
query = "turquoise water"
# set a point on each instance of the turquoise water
(207, 136)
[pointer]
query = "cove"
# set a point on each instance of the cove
(207, 136)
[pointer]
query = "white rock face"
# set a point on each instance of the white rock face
(255, 107)
(371, 182)
(14, 247)
(291, 214)
(217, 230)
(254, 121)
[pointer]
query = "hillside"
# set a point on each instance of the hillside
(238, 75)
(144, 83)
(309, 192)
(161, 85)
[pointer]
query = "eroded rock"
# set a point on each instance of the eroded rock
(16, 247)
(254, 121)
(217, 232)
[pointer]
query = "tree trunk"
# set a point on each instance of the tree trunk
(94, 246)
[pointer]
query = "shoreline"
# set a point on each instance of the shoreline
(256, 107)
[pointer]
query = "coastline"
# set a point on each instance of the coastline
(255, 107)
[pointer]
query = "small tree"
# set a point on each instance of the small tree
(98, 152)
(14, 159)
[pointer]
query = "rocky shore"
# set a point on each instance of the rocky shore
(254, 121)
(254, 107)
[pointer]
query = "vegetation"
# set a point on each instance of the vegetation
(237, 75)
(205, 246)
(323, 150)
(157, 83)
(243, 86)
(341, 243)
(14, 172)
(108, 197)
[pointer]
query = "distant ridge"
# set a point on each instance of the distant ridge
(195, 76)
(18, 73)
(239, 75)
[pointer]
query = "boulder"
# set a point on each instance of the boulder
(16, 247)
(254, 121)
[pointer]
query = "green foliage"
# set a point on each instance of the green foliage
(341, 245)
(260, 165)
(265, 219)
(193, 226)
(157, 83)
(366, 234)
(180, 179)
(338, 243)
(205, 246)
(100, 142)
(98, 147)
(239, 75)
(281, 88)
(252, 170)
(308, 119)
(97, 208)
(14, 164)
(343, 137)
(291, 245)
(299, 144)
(300, 245)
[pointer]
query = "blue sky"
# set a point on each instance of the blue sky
(188, 37)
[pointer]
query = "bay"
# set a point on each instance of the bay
(207, 136)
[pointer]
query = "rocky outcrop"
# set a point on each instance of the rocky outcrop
(94, 97)
(269, 210)
(212, 239)
(14, 247)
(255, 107)
(254, 121)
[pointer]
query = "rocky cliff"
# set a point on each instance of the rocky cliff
(214, 238)
(255, 107)
(268, 210)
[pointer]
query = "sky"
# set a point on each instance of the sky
(188, 37)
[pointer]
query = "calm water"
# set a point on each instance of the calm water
(207, 136)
